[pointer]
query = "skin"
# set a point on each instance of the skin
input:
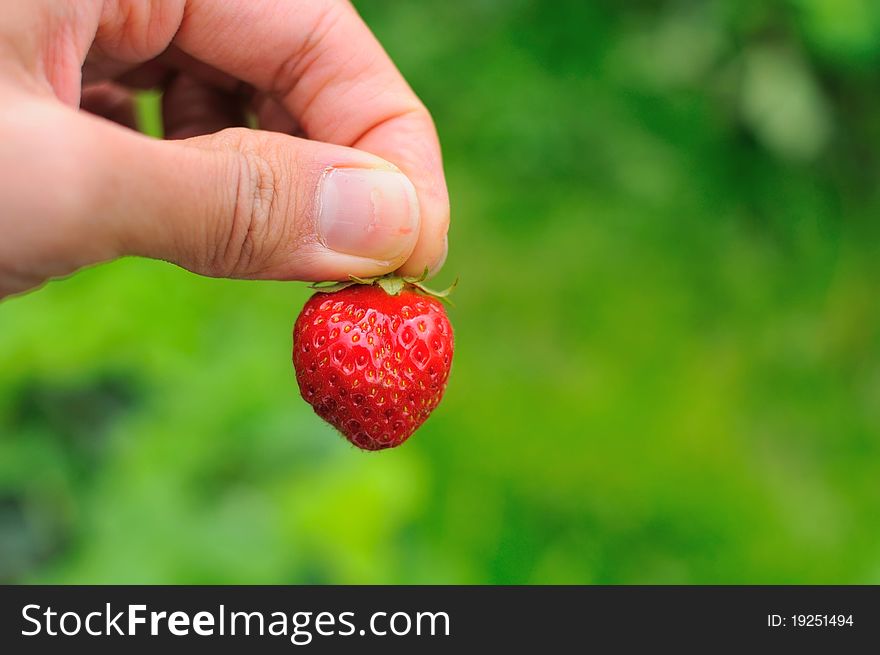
(80, 186)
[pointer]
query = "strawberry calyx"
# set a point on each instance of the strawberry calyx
(391, 283)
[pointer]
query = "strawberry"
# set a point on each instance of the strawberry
(372, 357)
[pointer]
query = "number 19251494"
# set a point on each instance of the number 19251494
(810, 621)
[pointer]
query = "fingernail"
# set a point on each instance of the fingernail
(440, 262)
(369, 213)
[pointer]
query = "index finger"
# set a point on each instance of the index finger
(320, 60)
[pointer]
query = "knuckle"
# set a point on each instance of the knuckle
(139, 29)
(253, 232)
(321, 20)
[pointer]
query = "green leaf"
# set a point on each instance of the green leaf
(417, 279)
(330, 287)
(391, 285)
(439, 295)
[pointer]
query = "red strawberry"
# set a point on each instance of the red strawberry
(372, 357)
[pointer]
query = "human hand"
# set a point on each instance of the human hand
(363, 194)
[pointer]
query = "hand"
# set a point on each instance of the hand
(363, 194)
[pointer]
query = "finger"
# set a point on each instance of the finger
(175, 59)
(331, 74)
(249, 204)
(272, 116)
(193, 108)
(110, 101)
(147, 74)
(150, 75)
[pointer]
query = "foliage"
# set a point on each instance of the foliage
(668, 334)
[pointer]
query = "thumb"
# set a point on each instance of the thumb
(249, 204)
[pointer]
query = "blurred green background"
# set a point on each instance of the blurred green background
(665, 219)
